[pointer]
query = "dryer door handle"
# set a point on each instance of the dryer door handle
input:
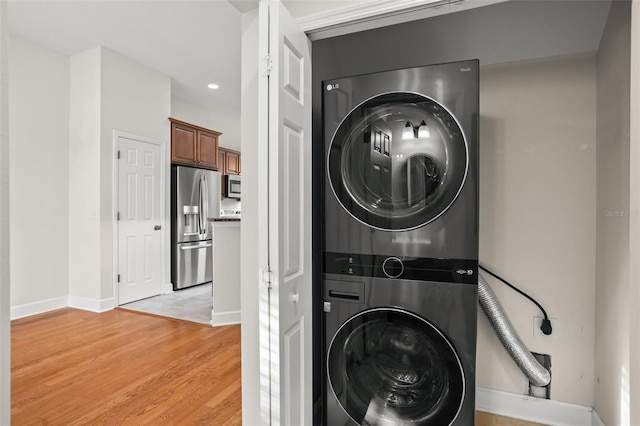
(344, 295)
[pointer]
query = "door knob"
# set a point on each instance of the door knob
(295, 297)
(157, 227)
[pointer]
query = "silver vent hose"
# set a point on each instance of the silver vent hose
(535, 372)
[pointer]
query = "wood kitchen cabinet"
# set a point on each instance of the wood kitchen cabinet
(193, 145)
(228, 164)
(221, 159)
(232, 162)
(228, 161)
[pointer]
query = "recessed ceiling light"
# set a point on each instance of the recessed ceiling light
(213, 86)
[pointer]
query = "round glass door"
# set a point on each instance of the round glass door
(388, 366)
(397, 161)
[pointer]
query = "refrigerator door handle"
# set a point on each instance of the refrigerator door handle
(200, 205)
(205, 204)
(200, 246)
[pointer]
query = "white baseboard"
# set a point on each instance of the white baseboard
(545, 411)
(225, 318)
(39, 307)
(93, 305)
(167, 288)
(42, 306)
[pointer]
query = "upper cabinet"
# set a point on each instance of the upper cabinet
(193, 145)
(221, 159)
(228, 164)
(229, 161)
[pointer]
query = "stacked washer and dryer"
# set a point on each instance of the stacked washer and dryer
(400, 249)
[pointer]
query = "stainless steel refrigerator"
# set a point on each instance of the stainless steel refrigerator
(195, 198)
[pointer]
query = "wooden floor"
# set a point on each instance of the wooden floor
(72, 367)
(486, 419)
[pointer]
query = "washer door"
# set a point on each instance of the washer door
(397, 161)
(391, 367)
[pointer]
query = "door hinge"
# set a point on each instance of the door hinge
(118, 216)
(267, 65)
(118, 154)
(118, 277)
(267, 275)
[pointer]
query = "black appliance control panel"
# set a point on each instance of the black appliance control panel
(402, 267)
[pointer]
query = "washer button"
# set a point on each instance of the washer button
(392, 267)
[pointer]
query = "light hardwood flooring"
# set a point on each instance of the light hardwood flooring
(486, 419)
(72, 367)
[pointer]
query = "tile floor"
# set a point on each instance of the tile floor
(191, 304)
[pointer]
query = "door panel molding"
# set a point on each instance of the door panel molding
(147, 162)
(285, 231)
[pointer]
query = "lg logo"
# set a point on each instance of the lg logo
(333, 86)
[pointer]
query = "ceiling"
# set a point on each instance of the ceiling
(193, 42)
(197, 42)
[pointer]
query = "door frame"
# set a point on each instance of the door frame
(117, 134)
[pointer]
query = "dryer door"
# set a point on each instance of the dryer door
(391, 367)
(397, 161)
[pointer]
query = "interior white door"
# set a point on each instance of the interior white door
(285, 235)
(139, 219)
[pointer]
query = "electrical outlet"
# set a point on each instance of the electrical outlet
(538, 333)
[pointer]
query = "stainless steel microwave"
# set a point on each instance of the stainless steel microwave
(232, 186)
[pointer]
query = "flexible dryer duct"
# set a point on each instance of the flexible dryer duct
(535, 372)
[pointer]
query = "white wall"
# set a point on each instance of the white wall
(230, 204)
(108, 92)
(76, 103)
(249, 231)
(39, 137)
(134, 99)
(227, 122)
(84, 175)
(537, 215)
(613, 308)
(5, 329)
